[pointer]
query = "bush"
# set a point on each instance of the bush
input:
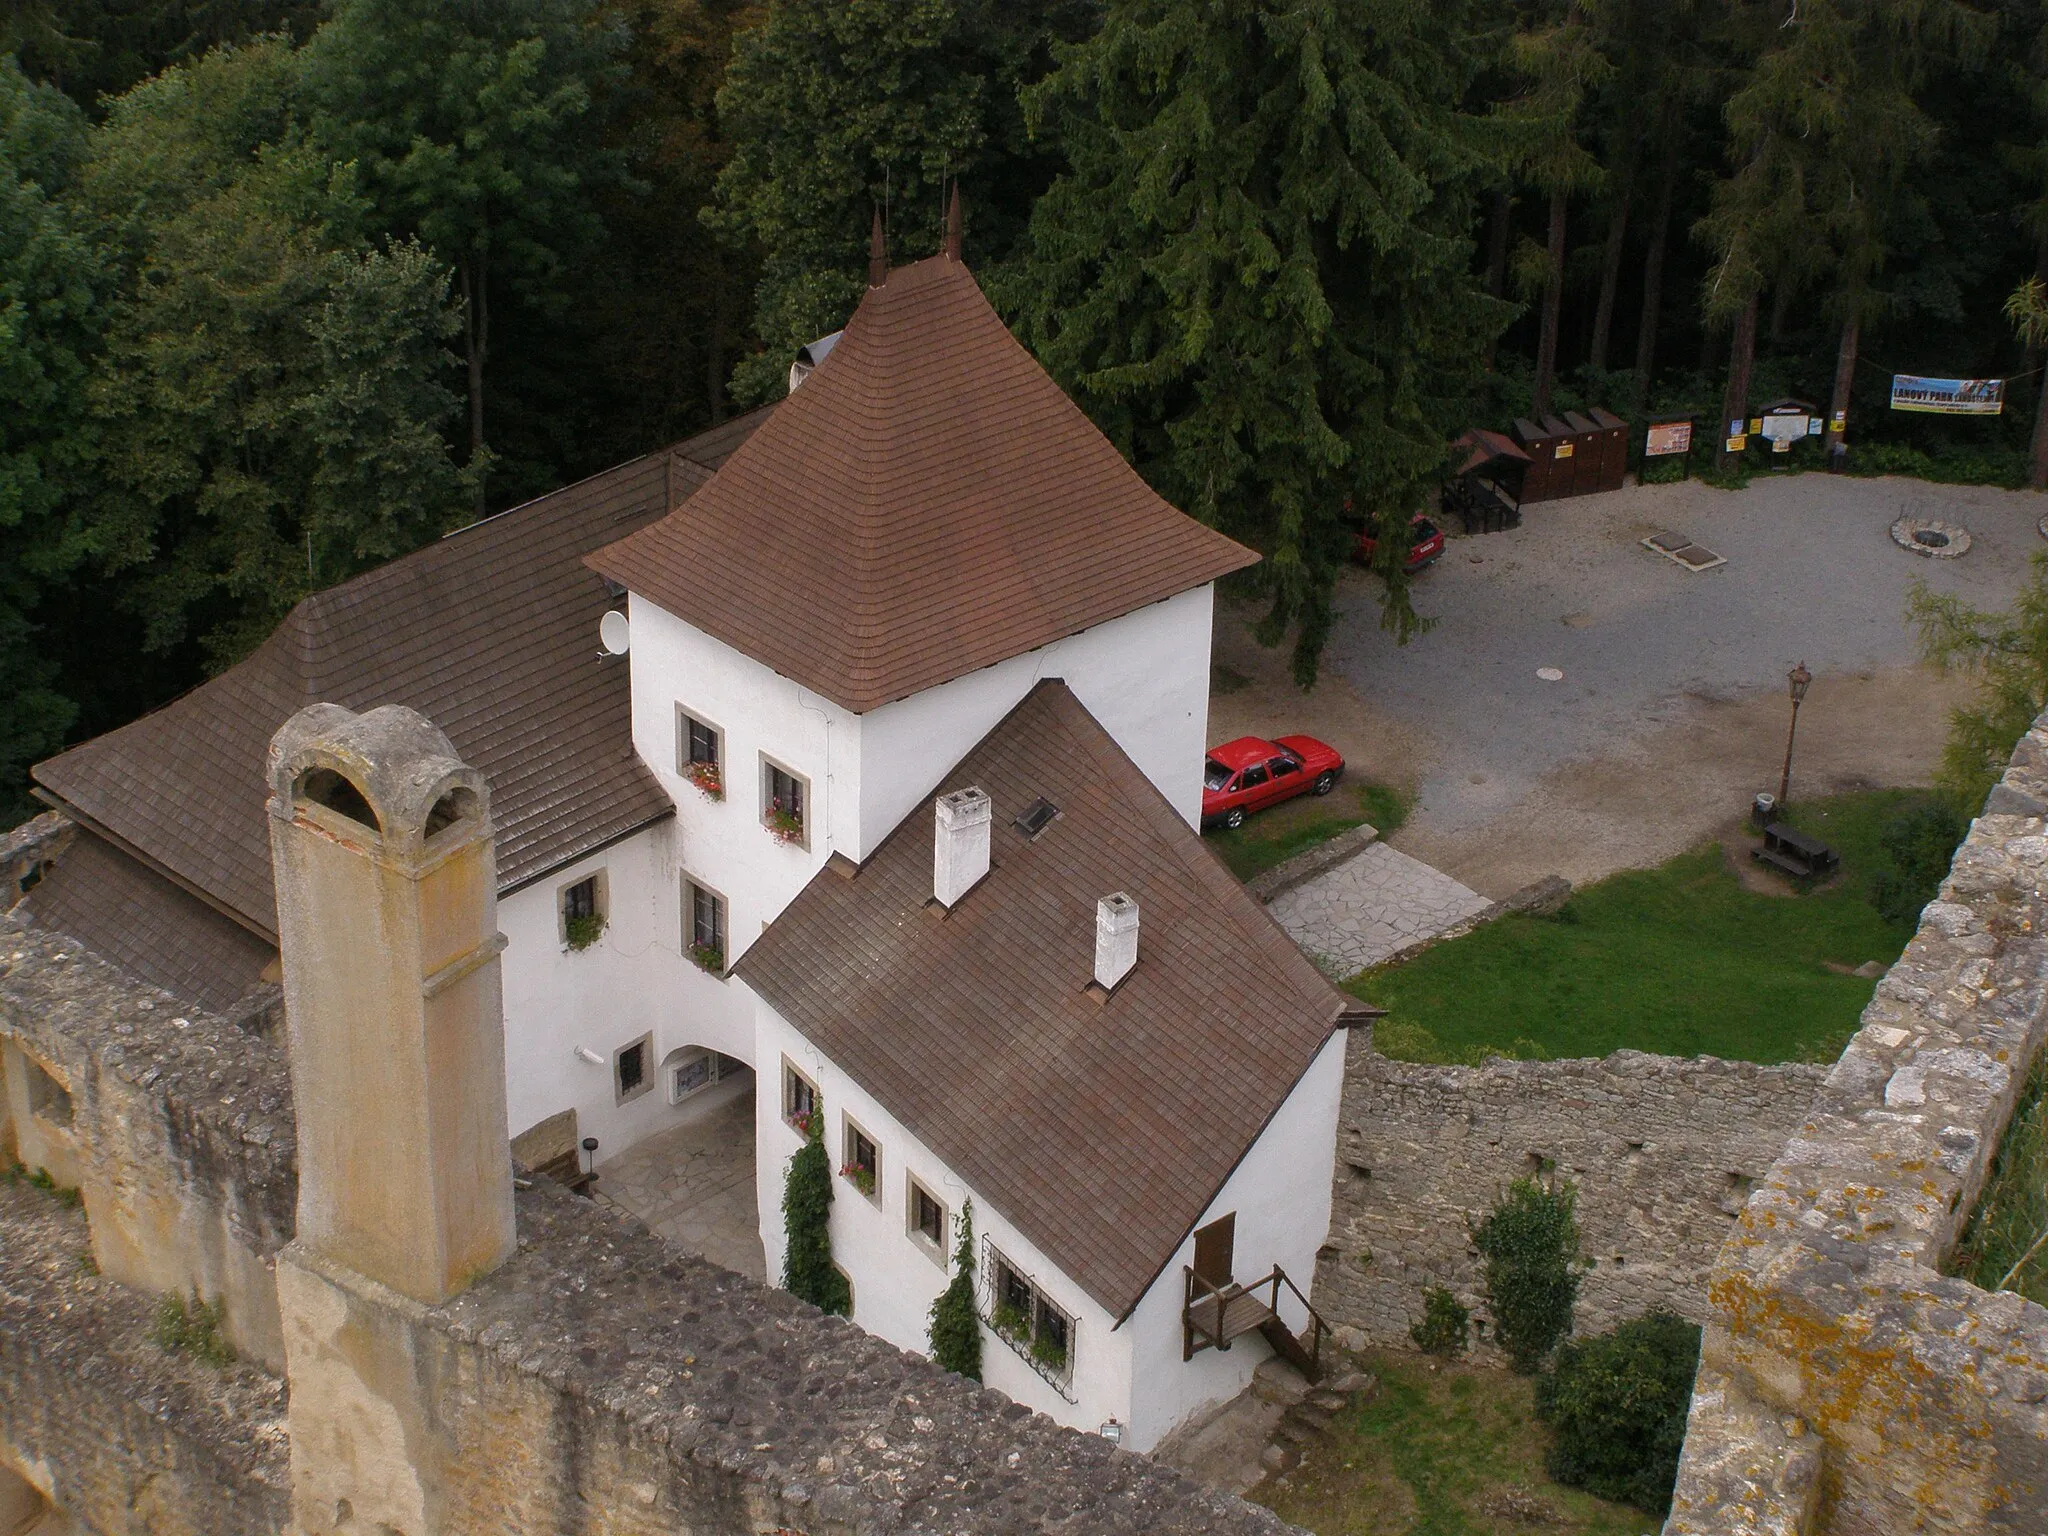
(192, 1328)
(1918, 842)
(1444, 1324)
(1618, 1403)
(807, 1267)
(956, 1329)
(1530, 1243)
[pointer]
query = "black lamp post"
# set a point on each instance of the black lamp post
(1798, 680)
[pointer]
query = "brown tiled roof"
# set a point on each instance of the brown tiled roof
(491, 633)
(125, 912)
(928, 503)
(1101, 1130)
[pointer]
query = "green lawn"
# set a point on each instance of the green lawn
(1681, 960)
(1273, 837)
(1453, 1452)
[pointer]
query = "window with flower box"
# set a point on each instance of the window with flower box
(700, 753)
(1031, 1323)
(582, 906)
(704, 926)
(785, 803)
(799, 1099)
(862, 1167)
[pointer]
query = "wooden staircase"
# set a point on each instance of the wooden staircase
(1213, 1316)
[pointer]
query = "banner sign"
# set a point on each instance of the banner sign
(1667, 437)
(1948, 397)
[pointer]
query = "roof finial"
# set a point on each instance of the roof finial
(953, 225)
(878, 255)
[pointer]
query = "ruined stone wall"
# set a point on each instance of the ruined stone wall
(1846, 1386)
(105, 1425)
(178, 1128)
(599, 1380)
(1663, 1151)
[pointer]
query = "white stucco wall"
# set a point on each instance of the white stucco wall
(1144, 677)
(1280, 1193)
(635, 980)
(895, 1277)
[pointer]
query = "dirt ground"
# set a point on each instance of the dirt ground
(1675, 713)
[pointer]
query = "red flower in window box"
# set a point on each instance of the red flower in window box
(863, 1178)
(707, 778)
(785, 825)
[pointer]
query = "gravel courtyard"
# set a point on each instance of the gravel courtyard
(1671, 712)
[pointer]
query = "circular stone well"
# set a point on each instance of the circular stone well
(1931, 537)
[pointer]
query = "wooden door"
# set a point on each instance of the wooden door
(1213, 1249)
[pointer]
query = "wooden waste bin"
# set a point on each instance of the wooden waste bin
(1553, 458)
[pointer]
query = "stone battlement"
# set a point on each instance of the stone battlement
(1846, 1385)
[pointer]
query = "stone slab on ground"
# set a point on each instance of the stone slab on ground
(1382, 901)
(694, 1185)
(1226, 1450)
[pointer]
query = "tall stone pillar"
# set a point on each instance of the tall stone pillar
(386, 879)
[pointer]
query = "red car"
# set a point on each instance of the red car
(1425, 545)
(1248, 775)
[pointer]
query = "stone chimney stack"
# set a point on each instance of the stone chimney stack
(387, 914)
(1116, 939)
(960, 844)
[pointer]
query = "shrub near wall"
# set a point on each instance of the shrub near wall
(1530, 1243)
(1618, 1402)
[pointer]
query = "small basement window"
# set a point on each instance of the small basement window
(704, 915)
(630, 1076)
(583, 916)
(799, 1100)
(700, 753)
(927, 1221)
(691, 1073)
(863, 1166)
(1030, 1322)
(785, 799)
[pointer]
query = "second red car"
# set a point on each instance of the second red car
(1250, 773)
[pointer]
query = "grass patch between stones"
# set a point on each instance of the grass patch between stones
(1681, 960)
(1454, 1451)
(1272, 837)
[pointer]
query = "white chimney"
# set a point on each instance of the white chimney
(1116, 939)
(960, 846)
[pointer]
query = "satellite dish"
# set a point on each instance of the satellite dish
(615, 633)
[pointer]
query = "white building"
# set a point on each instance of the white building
(925, 571)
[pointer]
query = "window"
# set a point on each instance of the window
(928, 1221)
(692, 1072)
(630, 1077)
(799, 1099)
(784, 803)
(1214, 774)
(1030, 1322)
(583, 915)
(700, 753)
(863, 1166)
(1281, 767)
(1253, 777)
(704, 926)
(1036, 817)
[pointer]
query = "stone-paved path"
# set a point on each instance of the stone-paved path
(694, 1185)
(1357, 914)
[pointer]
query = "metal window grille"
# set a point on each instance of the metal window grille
(707, 919)
(580, 899)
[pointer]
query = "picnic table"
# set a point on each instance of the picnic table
(1796, 853)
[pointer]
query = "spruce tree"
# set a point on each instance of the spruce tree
(807, 1267)
(956, 1326)
(1256, 276)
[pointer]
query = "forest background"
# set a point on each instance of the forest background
(287, 289)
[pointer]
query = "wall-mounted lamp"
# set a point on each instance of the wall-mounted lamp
(585, 1053)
